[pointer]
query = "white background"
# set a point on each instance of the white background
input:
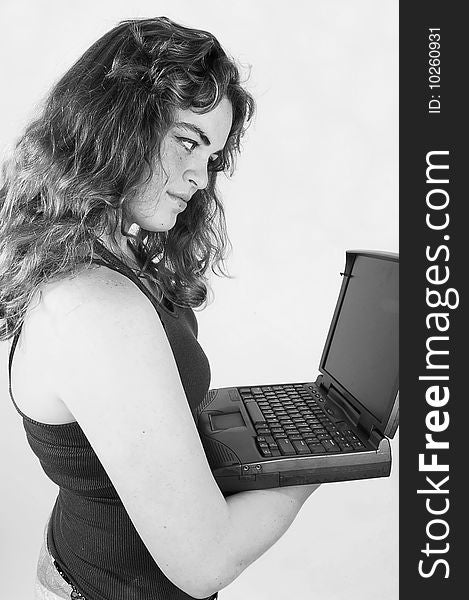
(318, 175)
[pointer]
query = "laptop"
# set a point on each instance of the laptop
(335, 426)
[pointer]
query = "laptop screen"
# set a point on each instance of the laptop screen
(363, 355)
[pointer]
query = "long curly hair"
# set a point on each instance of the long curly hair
(77, 166)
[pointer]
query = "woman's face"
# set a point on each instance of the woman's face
(188, 147)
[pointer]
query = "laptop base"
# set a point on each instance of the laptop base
(228, 435)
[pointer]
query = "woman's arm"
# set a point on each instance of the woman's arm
(258, 519)
(116, 373)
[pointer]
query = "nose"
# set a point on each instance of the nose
(197, 174)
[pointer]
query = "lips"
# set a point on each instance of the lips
(180, 201)
(184, 197)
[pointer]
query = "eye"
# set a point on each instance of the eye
(188, 144)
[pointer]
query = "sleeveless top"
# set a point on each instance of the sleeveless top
(90, 534)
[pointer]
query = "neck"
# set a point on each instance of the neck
(117, 245)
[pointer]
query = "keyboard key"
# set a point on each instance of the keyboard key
(316, 449)
(285, 447)
(254, 412)
(330, 446)
(301, 446)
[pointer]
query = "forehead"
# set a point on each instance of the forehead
(215, 124)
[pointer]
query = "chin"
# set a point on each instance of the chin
(161, 224)
(161, 220)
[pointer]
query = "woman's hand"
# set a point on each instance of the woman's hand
(300, 493)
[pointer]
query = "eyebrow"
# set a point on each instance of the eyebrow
(195, 129)
(198, 131)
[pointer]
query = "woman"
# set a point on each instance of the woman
(110, 221)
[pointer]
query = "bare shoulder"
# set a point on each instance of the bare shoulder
(65, 319)
(91, 288)
(96, 299)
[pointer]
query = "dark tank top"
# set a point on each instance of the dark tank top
(90, 534)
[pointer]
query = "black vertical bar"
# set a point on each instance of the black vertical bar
(433, 250)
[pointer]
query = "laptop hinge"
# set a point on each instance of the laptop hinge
(324, 388)
(335, 396)
(375, 437)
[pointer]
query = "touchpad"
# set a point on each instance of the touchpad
(227, 421)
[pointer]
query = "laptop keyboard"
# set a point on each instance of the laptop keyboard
(289, 420)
